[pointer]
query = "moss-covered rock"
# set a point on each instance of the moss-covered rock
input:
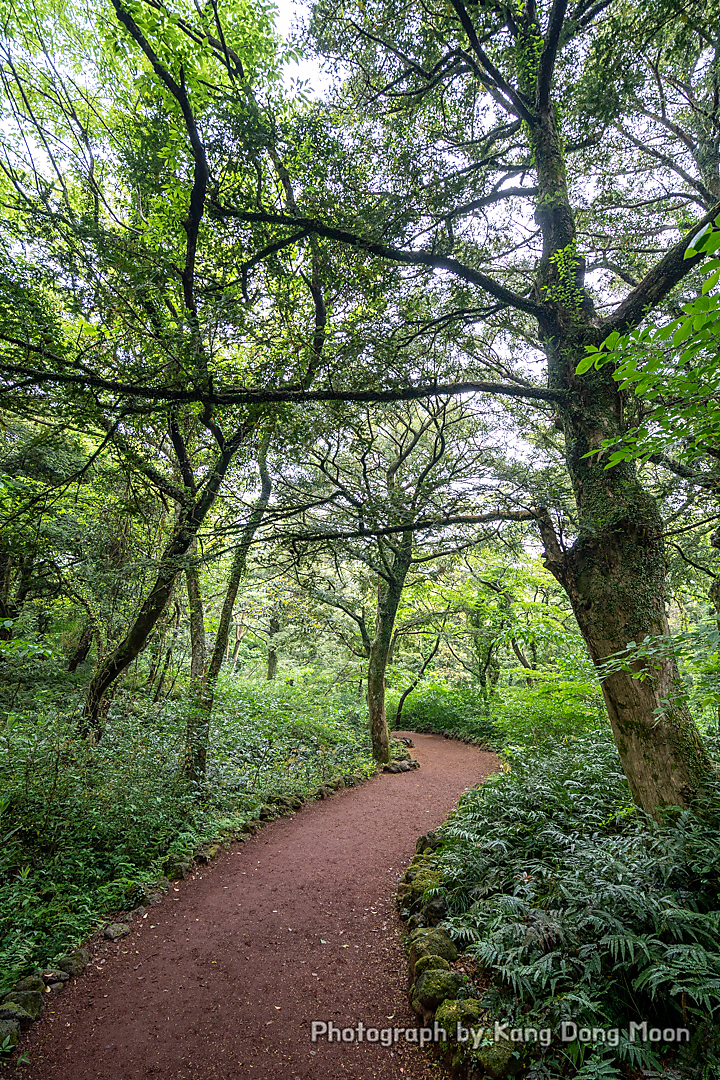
(75, 961)
(431, 941)
(451, 1013)
(429, 841)
(434, 911)
(430, 960)
(32, 1001)
(9, 1034)
(10, 1010)
(497, 1059)
(32, 982)
(433, 987)
(177, 867)
(116, 930)
(419, 876)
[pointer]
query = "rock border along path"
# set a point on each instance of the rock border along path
(222, 978)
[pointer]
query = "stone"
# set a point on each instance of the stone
(31, 982)
(177, 867)
(57, 988)
(134, 894)
(75, 961)
(394, 767)
(116, 930)
(10, 1010)
(209, 852)
(436, 963)
(451, 1012)
(498, 1059)
(431, 942)
(9, 1034)
(429, 841)
(419, 876)
(55, 976)
(435, 910)
(32, 1001)
(433, 987)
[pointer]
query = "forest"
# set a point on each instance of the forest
(384, 398)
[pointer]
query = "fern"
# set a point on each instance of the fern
(579, 908)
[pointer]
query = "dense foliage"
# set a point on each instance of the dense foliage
(395, 405)
(83, 828)
(578, 909)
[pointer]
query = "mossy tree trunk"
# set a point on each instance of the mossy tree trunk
(272, 656)
(614, 572)
(389, 593)
(194, 507)
(198, 732)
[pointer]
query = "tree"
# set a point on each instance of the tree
(500, 182)
(393, 490)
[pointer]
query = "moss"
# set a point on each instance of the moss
(30, 1001)
(430, 961)
(10, 1031)
(452, 1012)
(433, 987)
(432, 942)
(497, 1060)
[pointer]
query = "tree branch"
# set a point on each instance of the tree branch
(415, 526)
(392, 254)
(253, 396)
(549, 53)
(656, 285)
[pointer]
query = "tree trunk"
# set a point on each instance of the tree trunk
(406, 693)
(82, 649)
(196, 619)
(197, 724)
(614, 573)
(272, 656)
(132, 644)
(389, 594)
(522, 658)
(171, 562)
(239, 635)
(196, 759)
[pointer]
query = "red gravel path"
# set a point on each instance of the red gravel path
(223, 977)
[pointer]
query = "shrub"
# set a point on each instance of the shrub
(81, 828)
(581, 909)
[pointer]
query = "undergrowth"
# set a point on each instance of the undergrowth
(81, 828)
(580, 909)
(550, 708)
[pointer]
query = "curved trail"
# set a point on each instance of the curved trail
(222, 979)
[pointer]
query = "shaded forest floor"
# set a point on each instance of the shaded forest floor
(224, 976)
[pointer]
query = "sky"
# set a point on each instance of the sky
(290, 12)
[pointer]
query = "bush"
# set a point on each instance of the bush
(81, 828)
(550, 709)
(579, 908)
(460, 711)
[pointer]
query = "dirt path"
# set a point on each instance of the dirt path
(223, 978)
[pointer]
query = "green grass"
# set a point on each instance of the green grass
(81, 828)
